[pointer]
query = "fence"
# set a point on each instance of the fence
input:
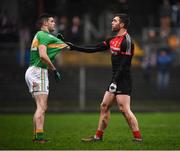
(84, 83)
(82, 88)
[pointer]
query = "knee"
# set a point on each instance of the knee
(121, 108)
(39, 114)
(43, 108)
(124, 110)
(41, 111)
(104, 107)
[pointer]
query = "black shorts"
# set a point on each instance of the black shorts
(124, 85)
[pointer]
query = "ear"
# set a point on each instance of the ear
(121, 25)
(45, 23)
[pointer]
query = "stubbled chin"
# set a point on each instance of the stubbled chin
(52, 30)
(114, 30)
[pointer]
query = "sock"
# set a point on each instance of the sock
(39, 134)
(137, 134)
(99, 133)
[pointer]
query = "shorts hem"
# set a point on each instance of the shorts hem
(120, 93)
(37, 93)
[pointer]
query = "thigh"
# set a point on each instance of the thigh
(108, 99)
(123, 101)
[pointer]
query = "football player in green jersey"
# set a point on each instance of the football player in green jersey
(43, 51)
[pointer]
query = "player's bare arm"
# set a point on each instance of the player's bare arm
(44, 57)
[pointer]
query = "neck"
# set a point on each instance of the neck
(122, 32)
(45, 29)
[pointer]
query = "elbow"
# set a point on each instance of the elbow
(42, 57)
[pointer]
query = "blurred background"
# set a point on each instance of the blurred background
(155, 28)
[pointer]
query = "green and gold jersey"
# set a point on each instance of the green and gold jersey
(53, 44)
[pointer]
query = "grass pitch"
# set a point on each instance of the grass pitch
(161, 131)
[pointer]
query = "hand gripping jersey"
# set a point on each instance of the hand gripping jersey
(53, 44)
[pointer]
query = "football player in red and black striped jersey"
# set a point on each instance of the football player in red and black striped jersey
(121, 48)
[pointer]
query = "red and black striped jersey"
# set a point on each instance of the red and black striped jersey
(120, 45)
(122, 50)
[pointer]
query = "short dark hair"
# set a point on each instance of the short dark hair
(42, 18)
(124, 19)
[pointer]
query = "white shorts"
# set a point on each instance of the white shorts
(37, 80)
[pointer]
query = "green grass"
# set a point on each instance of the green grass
(161, 131)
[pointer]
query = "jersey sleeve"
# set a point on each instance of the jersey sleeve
(43, 38)
(91, 48)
